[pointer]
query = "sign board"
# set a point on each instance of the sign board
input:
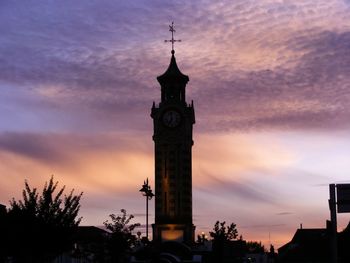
(343, 198)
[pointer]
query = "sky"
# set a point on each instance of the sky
(271, 89)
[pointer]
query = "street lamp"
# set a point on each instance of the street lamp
(147, 192)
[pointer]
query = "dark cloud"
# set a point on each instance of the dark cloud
(284, 213)
(58, 148)
(31, 145)
(264, 226)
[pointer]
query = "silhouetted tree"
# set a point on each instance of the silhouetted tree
(40, 227)
(221, 234)
(122, 239)
(3, 229)
(272, 254)
(255, 247)
(201, 239)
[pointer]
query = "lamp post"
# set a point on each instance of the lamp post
(147, 192)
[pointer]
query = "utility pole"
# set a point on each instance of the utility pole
(332, 207)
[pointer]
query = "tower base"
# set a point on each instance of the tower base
(182, 233)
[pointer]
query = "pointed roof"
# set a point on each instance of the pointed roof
(172, 74)
(306, 245)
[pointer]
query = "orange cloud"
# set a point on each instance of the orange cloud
(233, 156)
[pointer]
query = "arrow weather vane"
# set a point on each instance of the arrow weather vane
(172, 40)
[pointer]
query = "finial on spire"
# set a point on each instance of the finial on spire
(172, 40)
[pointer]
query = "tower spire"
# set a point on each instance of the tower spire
(173, 74)
(172, 40)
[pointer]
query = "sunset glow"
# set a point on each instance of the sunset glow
(269, 80)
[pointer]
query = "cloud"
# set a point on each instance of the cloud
(263, 66)
(51, 147)
(313, 95)
(31, 145)
(108, 168)
(229, 189)
(239, 156)
(264, 226)
(61, 62)
(284, 213)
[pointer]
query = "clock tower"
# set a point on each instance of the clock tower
(173, 120)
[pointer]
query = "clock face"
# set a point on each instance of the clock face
(171, 118)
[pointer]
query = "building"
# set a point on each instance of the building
(307, 245)
(173, 120)
(313, 245)
(89, 246)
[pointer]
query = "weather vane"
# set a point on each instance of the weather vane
(172, 40)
